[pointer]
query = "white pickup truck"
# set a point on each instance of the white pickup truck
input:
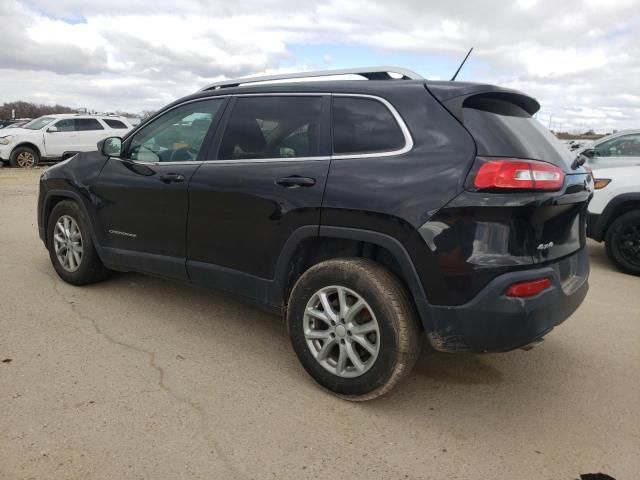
(56, 137)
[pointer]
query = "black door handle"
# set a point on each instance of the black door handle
(172, 178)
(295, 181)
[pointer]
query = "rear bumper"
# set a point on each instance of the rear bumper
(493, 322)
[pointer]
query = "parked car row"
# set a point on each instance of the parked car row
(19, 122)
(56, 137)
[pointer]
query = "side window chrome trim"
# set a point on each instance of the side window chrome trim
(233, 162)
(398, 118)
(408, 139)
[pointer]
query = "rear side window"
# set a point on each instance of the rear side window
(84, 124)
(364, 125)
(504, 129)
(114, 123)
(273, 127)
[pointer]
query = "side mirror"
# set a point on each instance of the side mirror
(52, 129)
(111, 147)
(590, 153)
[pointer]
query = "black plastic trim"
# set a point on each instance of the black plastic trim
(493, 322)
(597, 224)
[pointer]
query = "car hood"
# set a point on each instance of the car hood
(14, 131)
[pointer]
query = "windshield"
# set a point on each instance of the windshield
(38, 123)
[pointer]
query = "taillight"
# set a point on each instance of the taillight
(528, 289)
(518, 174)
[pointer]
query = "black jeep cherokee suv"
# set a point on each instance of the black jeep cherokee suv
(367, 211)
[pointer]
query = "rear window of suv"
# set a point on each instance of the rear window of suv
(114, 123)
(364, 125)
(504, 129)
(84, 124)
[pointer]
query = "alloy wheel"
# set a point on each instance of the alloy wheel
(341, 331)
(67, 243)
(26, 160)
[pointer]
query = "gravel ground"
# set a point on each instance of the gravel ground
(138, 377)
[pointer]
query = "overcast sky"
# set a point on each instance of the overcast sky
(580, 59)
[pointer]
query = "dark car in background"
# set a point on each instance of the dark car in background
(369, 213)
(14, 123)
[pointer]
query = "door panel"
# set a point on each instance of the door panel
(269, 180)
(239, 217)
(56, 143)
(143, 199)
(142, 215)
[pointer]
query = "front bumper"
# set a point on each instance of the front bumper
(5, 152)
(493, 322)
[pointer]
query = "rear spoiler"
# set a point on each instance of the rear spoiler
(453, 95)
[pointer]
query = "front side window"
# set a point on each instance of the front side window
(66, 125)
(177, 135)
(87, 124)
(364, 125)
(273, 127)
(624, 146)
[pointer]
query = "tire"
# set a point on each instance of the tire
(386, 303)
(24, 157)
(89, 268)
(622, 242)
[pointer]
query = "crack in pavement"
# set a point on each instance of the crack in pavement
(204, 424)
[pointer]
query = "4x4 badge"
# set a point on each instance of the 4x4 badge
(545, 246)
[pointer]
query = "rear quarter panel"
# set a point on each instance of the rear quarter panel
(395, 195)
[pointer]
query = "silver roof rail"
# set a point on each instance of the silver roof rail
(370, 73)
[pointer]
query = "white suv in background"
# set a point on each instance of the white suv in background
(614, 215)
(620, 149)
(56, 137)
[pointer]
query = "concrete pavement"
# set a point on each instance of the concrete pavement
(138, 377)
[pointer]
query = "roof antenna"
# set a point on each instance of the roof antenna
(458, 71)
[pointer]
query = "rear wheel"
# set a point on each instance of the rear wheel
(622, 242)
(353, 328)
(71, 248)
(24, 157)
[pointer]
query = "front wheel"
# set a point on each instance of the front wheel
(352, 326)
(71, 248)
(622, 242)
(24, 157)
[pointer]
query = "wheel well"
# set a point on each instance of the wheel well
(312, 251)
(52, 201)
(618, 210)
(29, 145)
